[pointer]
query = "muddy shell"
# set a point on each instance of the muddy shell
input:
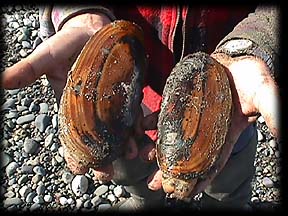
(193, 122)
(103, 94)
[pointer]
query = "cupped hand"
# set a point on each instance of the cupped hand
(254, 92)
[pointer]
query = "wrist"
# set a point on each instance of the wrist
(89, 22)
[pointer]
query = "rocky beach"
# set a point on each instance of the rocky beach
(34, 175)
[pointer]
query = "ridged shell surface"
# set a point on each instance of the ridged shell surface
(194, 119)
(103, 94)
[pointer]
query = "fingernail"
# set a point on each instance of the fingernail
(151, 185)
(152, 154)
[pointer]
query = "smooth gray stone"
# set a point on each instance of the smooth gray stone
(43, 108)
(9, 104)
(11, 168)
(102, 189)
(31, 146)
(12, 201)
(25, 119)
(42, 121)
(5, 159)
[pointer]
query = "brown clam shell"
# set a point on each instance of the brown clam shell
(193, 122)
(102, 95)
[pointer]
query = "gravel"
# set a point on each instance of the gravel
(34, 173)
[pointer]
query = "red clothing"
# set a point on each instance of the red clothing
(172, 32)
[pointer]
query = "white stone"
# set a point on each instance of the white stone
(111, 197)
(61, 151)
(118, 191)
(24, 191)
(79, 185)
(63, 201)
(48, 198)
(70, 201)
(260, 135)
(261, 119)
(267, 182)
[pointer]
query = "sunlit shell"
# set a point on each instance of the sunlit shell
(193, 122)
(102, 95)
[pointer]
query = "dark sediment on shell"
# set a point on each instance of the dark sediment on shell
(194, 118)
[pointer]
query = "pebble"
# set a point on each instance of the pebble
(254, 199)
(14, 25)
(54, 147)
(24, 191)
(36, 42)
(111, 197)
(48, 198)
(58, 158)
(63, 200)
(104, 207)
(79, 185)
(26, 101)
(272, 143)
(87, 204)
(33, 107)
(21, 108)
(42, 121)
(49, 140)
(39, 170)
(43, 108)
(61, 151)
(55, 121)
(28, 169)
(118, 191)
(11, 168)
(12, 201)
(13, 91)
(67, 177)
(25, 119)
(260, 136)
(79, 203)
(261, 120)
(23, 179)
(5, 159)
(36, 178)
(31, 146)
(95, 201)
(40, 190)
(267, 182)
(9, 194)
(35, 206)
(11, 115)
(9, 104)
(23, 53)
(38, 199)
(102, 189)
(70, 201)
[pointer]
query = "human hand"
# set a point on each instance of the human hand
(254, 92)
(55, 56)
